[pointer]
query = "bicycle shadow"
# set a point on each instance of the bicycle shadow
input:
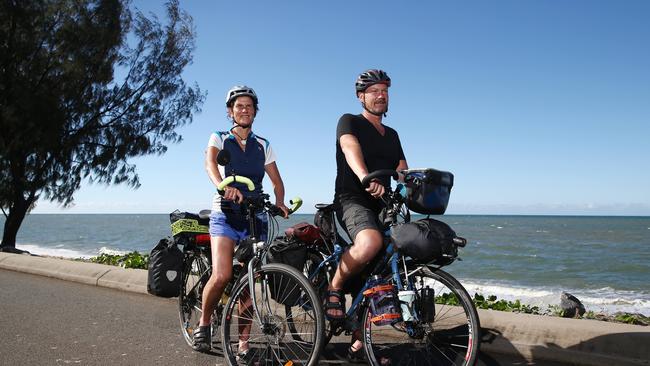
(615, 348)
(335, 353)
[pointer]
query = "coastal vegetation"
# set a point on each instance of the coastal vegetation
(86, 86)
(129, 260)
(490, 302)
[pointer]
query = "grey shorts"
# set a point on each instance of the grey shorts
(357, 217)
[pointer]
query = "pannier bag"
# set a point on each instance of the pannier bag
(304, 232)
(427, 191)
(293, 253)
(324, 220)
(426, 241)
(165, 267)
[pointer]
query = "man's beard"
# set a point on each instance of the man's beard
(377, 110)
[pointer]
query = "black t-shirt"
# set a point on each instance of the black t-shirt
(379, 152)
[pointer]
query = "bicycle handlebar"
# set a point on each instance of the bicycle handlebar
(236, 178)
(379, 173)
(296, 202)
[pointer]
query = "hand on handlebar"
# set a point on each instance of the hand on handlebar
(233, 194)
(376, 189)
(373, 186)
(285, 210)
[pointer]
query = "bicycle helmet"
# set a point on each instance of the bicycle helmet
(238, 91)
(371, 77)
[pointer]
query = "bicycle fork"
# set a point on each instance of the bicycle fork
(253, 295)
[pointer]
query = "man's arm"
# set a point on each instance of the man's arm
(354, 157)
(403, 165)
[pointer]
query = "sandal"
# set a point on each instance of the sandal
(358, 356)
(338, 305)
(202, 338)
(248, 357)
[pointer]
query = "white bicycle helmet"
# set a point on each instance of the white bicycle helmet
(238, 91)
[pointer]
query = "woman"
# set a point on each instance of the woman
(252, 157)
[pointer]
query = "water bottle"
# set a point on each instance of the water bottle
(382, 302)
(427, 305)
(406, 298)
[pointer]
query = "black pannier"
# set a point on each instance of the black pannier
(293, 253)
(165, 267)
(427, 191)
(324, 219)
(427, 241)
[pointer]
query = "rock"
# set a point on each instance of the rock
(571, 306)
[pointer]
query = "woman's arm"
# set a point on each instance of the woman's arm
(230, 193)
(278, 186)
(211, 165)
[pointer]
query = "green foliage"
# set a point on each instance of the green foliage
(130, 260)
(85, 86)
(447, 299)
(554, 310)
(491, 302)
(627, 318)
(637, 319)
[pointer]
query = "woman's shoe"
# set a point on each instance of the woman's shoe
(202, 338)
(358, 356)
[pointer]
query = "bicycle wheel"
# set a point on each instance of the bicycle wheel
(196, 272)
(321, 279)
(446, 333)
(319, 282)
(271, 338)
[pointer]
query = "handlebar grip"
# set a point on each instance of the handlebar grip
(296, 202)
(236, 178)
(379, 173)
(275, 210)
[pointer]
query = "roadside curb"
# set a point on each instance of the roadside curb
(133, 280)
(536, 338)
(572, 341)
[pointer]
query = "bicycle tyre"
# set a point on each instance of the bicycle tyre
(452, 338)
(195, 274)
(272, 341)
(320, 283)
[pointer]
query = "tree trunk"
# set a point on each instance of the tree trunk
(12, 224)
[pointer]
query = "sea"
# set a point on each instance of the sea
(603, 261)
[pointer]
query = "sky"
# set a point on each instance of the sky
(536, 107)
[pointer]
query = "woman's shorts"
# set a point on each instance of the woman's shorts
(236, 227)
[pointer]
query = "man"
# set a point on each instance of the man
(363, 144)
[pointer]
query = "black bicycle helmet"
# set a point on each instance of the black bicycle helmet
(371, 77)
(238, 91)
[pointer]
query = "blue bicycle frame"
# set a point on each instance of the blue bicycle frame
(390, 257)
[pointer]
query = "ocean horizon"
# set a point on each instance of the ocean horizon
(602, 260)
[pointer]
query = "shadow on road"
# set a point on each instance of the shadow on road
(628, 348)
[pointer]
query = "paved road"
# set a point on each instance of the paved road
(47, 321)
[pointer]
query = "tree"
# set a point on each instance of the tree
(84, 86)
